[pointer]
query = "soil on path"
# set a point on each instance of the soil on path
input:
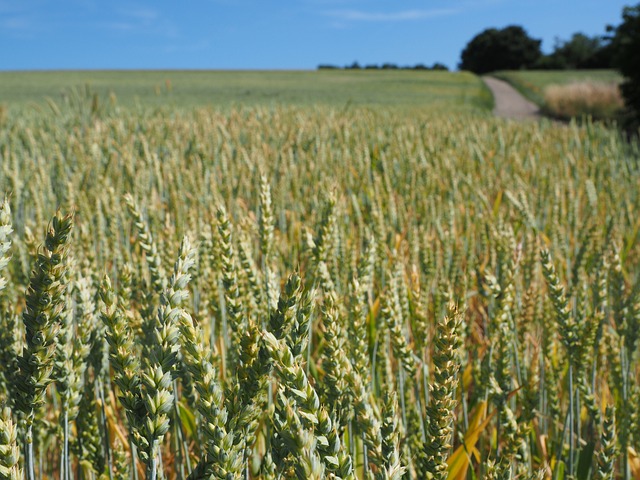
(509, 103)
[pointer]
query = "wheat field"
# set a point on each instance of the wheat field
(297, 292)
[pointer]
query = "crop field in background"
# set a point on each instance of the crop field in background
(532, 83)
(302, 290)
(224, 89)
(575, 100)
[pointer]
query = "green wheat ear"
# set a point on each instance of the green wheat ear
(9, 452)
(42, 318)
(125, 363)
(5, 239)
(221, 456)
(441, 407)
(8, 331)
(608, 452)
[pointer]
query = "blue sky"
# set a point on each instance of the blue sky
(270, 34)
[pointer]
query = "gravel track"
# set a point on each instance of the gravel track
(509, 103)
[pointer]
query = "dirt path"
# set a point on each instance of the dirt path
(509, 102)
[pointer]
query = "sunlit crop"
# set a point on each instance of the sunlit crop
(316, 293)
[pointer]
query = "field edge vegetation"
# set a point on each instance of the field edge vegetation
(566, 94)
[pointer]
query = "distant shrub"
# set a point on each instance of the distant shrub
(440, 66)
(599, 100)
(386, 66)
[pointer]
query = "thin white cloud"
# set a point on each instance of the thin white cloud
(18, 27)
(16, 23)
(140, 21)
(143, 14)
(193, 47)
(398, 16)
(9, 7)
(119, 26)
(330, 2)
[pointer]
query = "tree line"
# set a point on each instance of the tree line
(511, 48)
(384, 66)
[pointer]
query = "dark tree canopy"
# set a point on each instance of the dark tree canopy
(626, 47)
(510, 48)
(581, 51)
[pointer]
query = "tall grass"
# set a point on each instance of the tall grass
(579, 99)
(316, 293)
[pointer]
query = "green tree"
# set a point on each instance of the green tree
(581, 51)
(625, 44)
(509, 48)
